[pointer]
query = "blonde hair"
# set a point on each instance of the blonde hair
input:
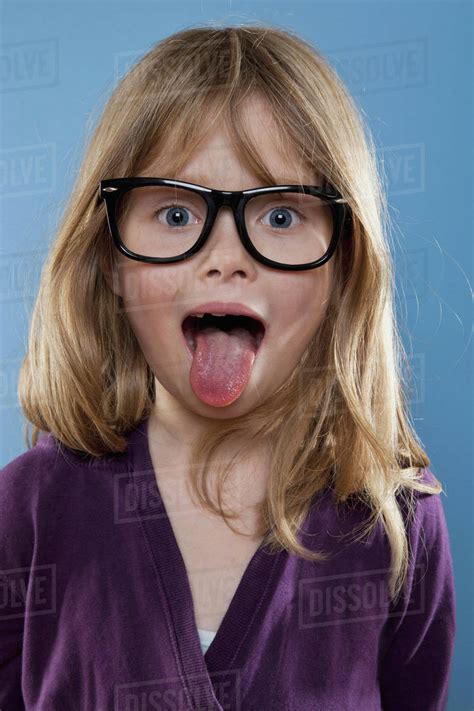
(84, 377)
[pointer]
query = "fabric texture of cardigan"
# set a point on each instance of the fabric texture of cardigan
(97, 612)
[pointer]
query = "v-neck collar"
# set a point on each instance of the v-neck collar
(222, 656)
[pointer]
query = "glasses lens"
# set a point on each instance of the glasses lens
(289, 227)
(160, 220)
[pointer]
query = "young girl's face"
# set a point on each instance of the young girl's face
(158, 296)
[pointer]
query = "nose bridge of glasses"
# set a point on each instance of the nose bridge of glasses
(226, 198)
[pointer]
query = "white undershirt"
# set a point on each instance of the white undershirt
(206, 637)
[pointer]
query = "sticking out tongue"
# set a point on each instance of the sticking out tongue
(222, 364)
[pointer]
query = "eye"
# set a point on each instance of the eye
(281, 216)
(175, 215)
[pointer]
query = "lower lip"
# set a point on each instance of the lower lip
(191, 352)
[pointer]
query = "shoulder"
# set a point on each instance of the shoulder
(19, 477)
(19, 490)
(21, 480)
(420, 629)
(36, 478)
(424, 514)
(37, 485)
(429, 575)
(50, 464)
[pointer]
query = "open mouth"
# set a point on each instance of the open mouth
(192, 324)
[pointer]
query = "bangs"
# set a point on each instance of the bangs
(182, 136)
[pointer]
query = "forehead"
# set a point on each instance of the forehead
(214, 152)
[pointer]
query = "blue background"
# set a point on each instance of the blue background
(409, 67)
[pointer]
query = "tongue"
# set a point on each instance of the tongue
(222, 364)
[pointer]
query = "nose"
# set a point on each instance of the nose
(225, 252)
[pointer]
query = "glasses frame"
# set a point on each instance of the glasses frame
(111, 189)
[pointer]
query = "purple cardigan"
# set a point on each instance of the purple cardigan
(96, 610)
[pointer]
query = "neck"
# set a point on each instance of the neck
(172, 433)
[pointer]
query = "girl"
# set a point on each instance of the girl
(214, 339)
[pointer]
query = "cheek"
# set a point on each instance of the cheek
(152, 298)
(151, 286)
(303, 300)
(156, 294)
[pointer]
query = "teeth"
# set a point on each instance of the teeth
(201, 315)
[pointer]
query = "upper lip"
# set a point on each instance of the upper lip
(220, 307)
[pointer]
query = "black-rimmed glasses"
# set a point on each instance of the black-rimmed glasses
(159, 220)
